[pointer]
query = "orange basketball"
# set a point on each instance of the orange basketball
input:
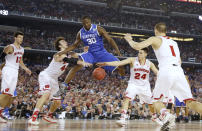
(99, 73)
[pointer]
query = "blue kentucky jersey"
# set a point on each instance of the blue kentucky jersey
(92, 39)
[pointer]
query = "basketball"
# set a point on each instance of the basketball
(99, 73)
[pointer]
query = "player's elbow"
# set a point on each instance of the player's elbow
(136, 47)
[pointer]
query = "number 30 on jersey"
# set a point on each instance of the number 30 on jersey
(91, 41)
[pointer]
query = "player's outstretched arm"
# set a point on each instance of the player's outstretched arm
(139, 45)
(72, 60)
(22, 65)
(117, 63)
(103, 33)
(72, 47)
(153, 68)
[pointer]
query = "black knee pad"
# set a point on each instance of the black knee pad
(169, 106)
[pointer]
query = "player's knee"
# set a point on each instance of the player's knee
(46, 96)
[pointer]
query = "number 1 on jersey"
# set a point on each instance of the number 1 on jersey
(172, 50)
(18, 59)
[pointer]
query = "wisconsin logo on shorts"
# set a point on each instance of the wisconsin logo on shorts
(7, 89)
(46, 87)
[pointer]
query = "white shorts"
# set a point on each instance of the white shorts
(48, 84)
(171, 82)
(144, 93)
(9, 80)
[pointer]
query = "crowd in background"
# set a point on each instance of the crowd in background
(87, 98)
(130, 19)
(170, 5)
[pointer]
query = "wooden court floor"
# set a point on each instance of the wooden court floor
(94, 125)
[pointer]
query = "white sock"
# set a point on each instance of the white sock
(164, 111)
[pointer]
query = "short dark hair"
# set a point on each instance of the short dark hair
(86, 17)
(146, 50)
(18, 33)
(161, 27)
(57, 43)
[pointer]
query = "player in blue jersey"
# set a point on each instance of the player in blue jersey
(92, 37)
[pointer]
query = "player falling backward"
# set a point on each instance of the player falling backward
(171, 80)
(13, 57)
(48, 81)
(92, 37)
(138, 83)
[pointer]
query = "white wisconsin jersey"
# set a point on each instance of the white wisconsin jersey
(55, 69)
(168, 53)
(13, 60)
(139, 74)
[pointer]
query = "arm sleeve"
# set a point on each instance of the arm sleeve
(71, 61)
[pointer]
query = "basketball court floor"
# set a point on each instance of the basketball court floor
(94, 125)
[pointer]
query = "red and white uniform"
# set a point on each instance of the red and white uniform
(48, 79)
(139, 82)
(171, 80)
(10, 70)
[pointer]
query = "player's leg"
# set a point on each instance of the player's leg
(182, 91)
(45, 91)
(86, 57)
(164, 82)
(55, 104)
(177, 109)
(108, 57)
(72, 73)
(40, 102)
(186, 117)
(194, 105)
(130, 93)
(146, 97)
(8, 86)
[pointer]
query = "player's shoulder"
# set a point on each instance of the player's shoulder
(132, 58)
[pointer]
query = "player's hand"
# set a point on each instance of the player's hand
(128, 37)
(102, 64)
(28, 71)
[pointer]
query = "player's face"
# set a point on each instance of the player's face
(63, 44)
(86, 24)
(142, 54)
(19, 39)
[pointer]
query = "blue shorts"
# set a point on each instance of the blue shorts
(100, 57)
(179, 104)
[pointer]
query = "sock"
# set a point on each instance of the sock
(35, 114)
